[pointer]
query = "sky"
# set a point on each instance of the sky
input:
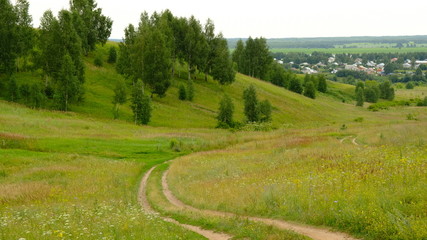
(270, 18)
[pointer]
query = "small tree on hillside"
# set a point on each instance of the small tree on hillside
(182, 94)
(295, 85)
(68, 85)
(120, 97)
(264, 109)
(225, 114)
(322, 86)
(360, 98)
(387, 91)
(251, 103)
(310, 90)
(141, 104)
(112, 56)
(13, 90)
(190, 90)
(37, 97)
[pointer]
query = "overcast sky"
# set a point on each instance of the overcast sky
(271, 18)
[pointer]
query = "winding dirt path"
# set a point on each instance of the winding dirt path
(143, 201)
(312, 232)
(352, 141)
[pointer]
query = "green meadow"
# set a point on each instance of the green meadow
(75, 175)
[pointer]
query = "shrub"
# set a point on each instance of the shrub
(225, 114)
(112, 56)
(175, 145)
(182, 94)
(190, 90)
(411, 116)
(264, 109)
(251, 104)
(98, 61)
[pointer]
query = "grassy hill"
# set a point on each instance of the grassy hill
(76, 174)
(288, 107)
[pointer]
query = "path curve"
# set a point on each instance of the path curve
(312, 232)
(143, 201)
(352, 141)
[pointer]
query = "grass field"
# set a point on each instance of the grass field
(374, 190)
(75, 175)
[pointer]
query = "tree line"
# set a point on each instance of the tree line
(56, 48)
(150, 53)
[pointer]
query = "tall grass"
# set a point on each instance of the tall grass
(376, 191)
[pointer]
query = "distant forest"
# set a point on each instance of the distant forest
(330, 42)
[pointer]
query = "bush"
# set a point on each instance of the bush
(225, 114)
(182, 94)
(112, 56)
(98, 61)
(359, 119)
(264, 109)
(190, 90)
(13, 91)
(411, 116)
(251, 104)
(255, 126)
(175, 145)
(410, 85)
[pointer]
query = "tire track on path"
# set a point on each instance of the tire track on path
(143, 201)
(309, 231)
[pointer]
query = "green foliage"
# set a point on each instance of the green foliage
(254, 60)
(141, 104)
(156, 60)
(60, 40)
(310, 90)
(225, 113)
(390, 68)
(251, 104)
(68, 87)
(175, 145)
(264, 109)
(322, 85)
(222, 65)
(418, 76)
(37, 97)
(120, 97)
(360, 97)
(372, 91)
(24, 92)
(112, 55)
(386, 105)
(13, 90)
(409, 85)
(359, 119)
(386, 91)
(422, 102)
(411, 116)
(182, 93)
(98, 61)
(16, 35)
(189, 90)
(295, 85)
(91, 25)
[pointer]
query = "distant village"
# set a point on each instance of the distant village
(332, 66)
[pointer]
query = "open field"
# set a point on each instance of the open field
(75, 175)
(373, 190)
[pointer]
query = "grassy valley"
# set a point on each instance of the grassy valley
(170, 135)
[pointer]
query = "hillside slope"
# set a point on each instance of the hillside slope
(288, 107)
